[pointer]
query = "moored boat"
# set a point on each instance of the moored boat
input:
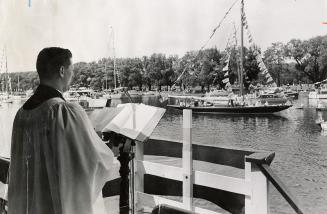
(87, 98)
(233, 109)
(272, 99)
(321, 107)
(291, 94)
(324, 126)
(318, 94)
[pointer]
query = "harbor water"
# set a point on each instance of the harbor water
(299, 144)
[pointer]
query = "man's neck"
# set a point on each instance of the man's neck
(52, 85)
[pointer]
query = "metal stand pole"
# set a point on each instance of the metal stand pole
(126, 156)
(132, 180)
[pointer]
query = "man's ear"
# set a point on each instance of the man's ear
(62, 71)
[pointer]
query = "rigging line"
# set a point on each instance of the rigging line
(218, 26)
(213, 32)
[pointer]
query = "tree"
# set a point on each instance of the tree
(251, 67)
(310, 56)
(275, 58)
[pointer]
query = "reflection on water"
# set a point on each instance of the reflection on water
(299, 144)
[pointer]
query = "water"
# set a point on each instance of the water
(299, 144)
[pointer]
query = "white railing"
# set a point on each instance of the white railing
(254, 186)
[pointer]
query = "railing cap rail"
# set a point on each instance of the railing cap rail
(260, 158)
(4, 159)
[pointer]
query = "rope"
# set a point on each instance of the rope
(216, 28)
(261, 64)
(205, 44)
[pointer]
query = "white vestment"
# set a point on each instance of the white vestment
(58, 163)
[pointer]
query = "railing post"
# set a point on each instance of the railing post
(139, 175)
(257, 202)
(187, 160)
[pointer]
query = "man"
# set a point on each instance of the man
(58, 163)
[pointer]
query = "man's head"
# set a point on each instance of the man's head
(54, 66)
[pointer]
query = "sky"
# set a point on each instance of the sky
(90, 28)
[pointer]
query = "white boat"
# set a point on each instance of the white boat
(217, 97)
(319, 120)
(86, 97)
(324, 125)
(150, 93)
(321, 107)
(318, 94)
(9, 100)
(135, 93)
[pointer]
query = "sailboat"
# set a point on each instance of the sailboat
(6, 95)
(120, 92)
(198, 105)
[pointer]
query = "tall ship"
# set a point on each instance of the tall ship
(229, 103)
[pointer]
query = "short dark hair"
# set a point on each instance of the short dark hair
(50, 60)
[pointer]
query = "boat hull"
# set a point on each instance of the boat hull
(234, 110)
(324, 126)
(315, 95)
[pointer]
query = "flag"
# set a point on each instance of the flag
(261, 66)
(226, 80)
(270, 79)
(266, 70)
(225, 68)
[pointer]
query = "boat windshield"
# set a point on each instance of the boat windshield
(323, 92)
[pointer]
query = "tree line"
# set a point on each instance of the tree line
(297, 61)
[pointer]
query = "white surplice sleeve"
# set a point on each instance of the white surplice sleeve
(78, 161)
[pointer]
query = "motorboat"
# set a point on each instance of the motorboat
(324, 125)
(272, 99)
(87, 98)
(291, 94)
(318, 94)
(321, 107)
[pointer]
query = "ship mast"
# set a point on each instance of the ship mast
(113, 47)
(242, 50)
(105, 72)
(18, 83)
(7, 76)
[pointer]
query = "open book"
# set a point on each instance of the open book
(135, 121)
